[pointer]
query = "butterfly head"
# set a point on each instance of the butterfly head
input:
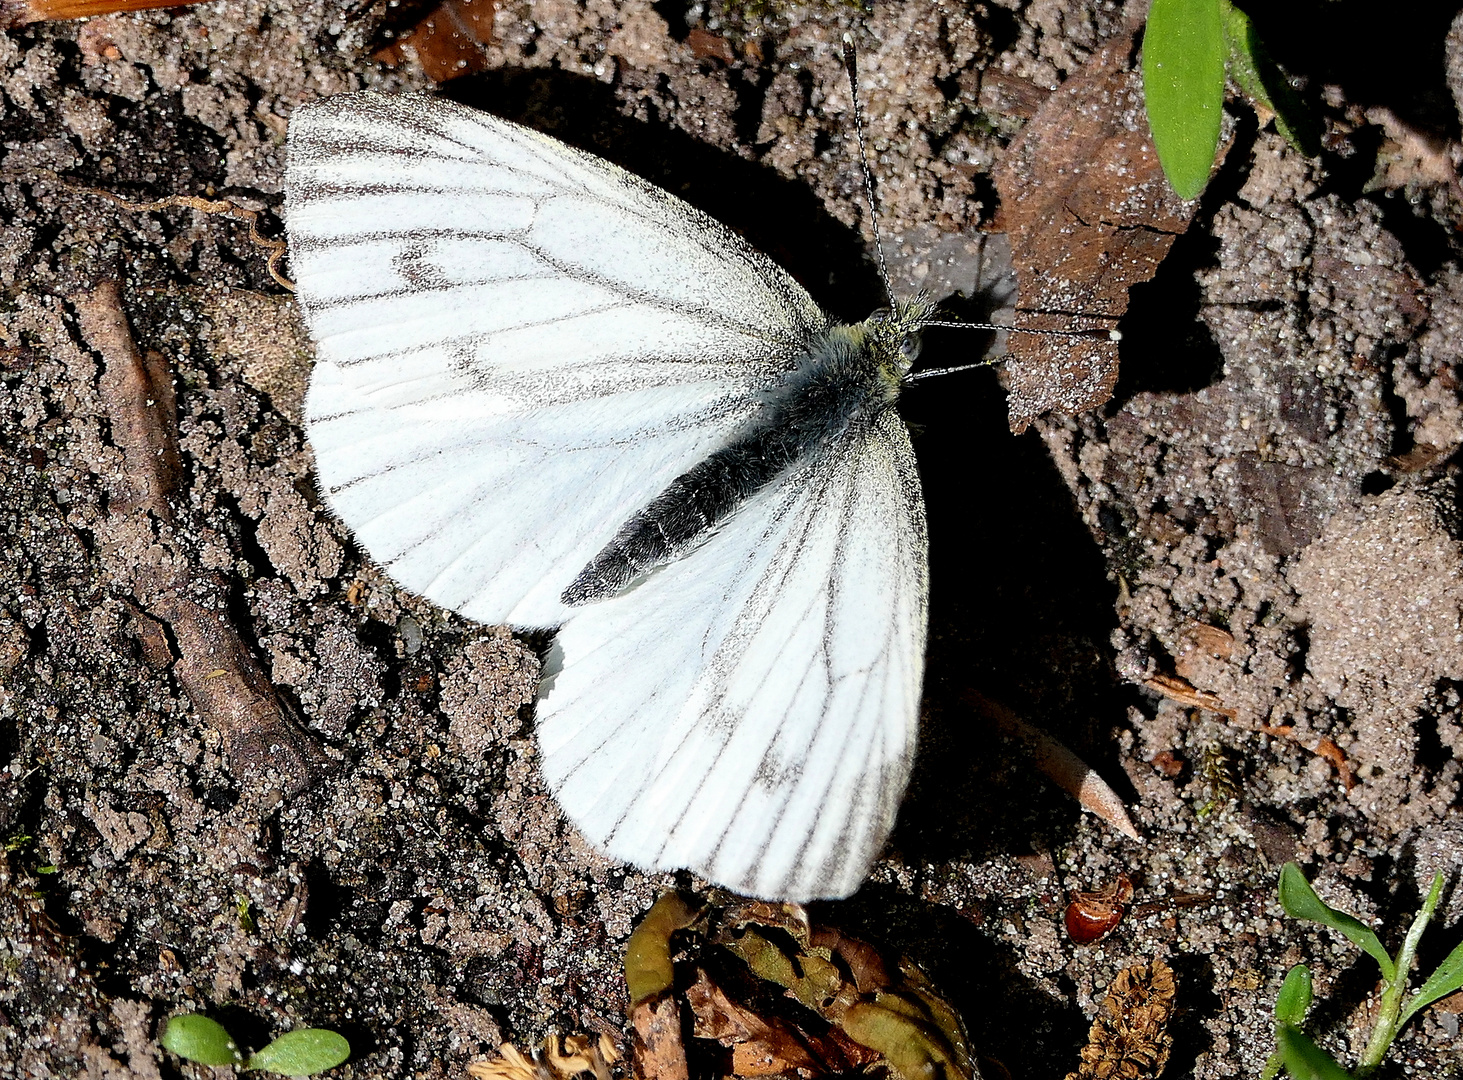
(892, 336)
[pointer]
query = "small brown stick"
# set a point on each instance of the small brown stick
(1180, 690)
(1058, 764)
(227, 686)
(276, 248)
(21, 12)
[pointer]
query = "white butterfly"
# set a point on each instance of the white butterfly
(550, 394)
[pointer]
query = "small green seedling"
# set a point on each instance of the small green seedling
(302, 1052)
(1294, 1051)
(1189, 47)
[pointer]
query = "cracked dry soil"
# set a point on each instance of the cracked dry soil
(1266, 511)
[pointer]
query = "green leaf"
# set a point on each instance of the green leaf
(200, 1039)
(1301, 902)
(1447, 978)
(303, 1052)
(1294, 998)
(1265, 85)
(1183, 88)
(1304, 1060)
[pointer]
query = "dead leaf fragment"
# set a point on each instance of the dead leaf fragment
(660, 1053)
(447, 42)
(1129, 1040)
(1089, 214)
(786, 998)
(558, 1059)
(648, 968)
(705, 45)
(759, 1047)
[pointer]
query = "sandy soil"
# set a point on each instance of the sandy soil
(1266, 511)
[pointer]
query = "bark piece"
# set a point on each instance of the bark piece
(660, 1053)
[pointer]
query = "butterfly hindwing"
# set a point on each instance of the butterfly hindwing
(750, 711)
(519, 344)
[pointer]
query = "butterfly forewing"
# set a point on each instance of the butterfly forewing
(519, 344)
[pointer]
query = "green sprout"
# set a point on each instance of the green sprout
(1294, 1050)
(302, 1052)
(1189, 47)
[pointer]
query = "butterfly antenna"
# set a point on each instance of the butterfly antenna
(850, 62)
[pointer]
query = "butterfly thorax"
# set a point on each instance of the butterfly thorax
(846, 376)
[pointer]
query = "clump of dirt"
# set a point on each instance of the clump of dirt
(1266, 514)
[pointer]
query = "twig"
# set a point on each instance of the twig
(221, 677)
(21, 12)
(1058, 764)
(1170, 686)
(277, 249)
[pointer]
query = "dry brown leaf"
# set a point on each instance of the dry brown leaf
(660, 1053)
(448, 42)
(1129, 1040)
(786, 998)
(760, 1047)
(1089, 214)
(558, 1059)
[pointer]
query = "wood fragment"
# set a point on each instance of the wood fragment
(1058, 764)
(660, 1053)
(23, 12)
(267, 749)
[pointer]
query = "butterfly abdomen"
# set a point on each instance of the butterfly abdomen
(836, 385)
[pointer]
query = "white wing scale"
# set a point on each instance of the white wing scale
(519, 346)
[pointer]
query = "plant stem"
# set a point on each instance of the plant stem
(1394, 989)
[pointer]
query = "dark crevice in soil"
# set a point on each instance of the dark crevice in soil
(1391, 57)
(1430, 246)
(1166, 347)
